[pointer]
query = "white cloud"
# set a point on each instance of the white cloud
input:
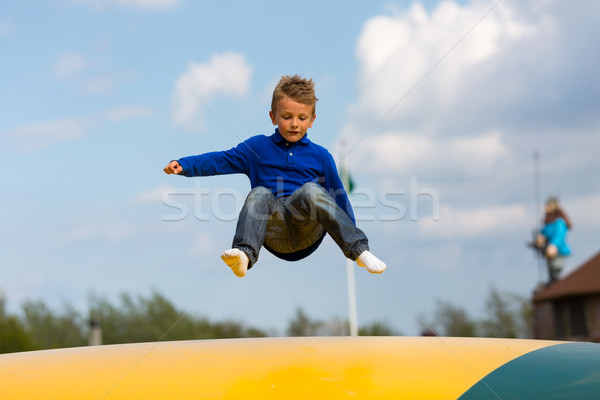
(69, 65)
(139, 4)
(108, 229)
(6, 27)
(225, 74)
(100, 84)
(36, 136)
(204, 246)
(127, 112)
(475, 154)
(446, 257)
(40, 135)
(429, 102)
(397, 52)
(402, 153)
(154, 196)
(465, 113)
(460, 223)
(87, 74)
(584, 211)
(157, 4)
(392, 152)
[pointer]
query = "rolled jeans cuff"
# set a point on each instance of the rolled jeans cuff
(358, 250)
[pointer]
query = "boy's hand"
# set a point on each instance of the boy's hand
(173, 168)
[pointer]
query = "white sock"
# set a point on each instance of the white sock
(373, 264)
(237, 260)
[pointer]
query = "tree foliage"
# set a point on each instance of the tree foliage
(149, 319)
(13, 336)
(378, 328)
(131, 320)
(302, 325)
(51, 330)
(155, 318)
(454, 321)
(506, 315)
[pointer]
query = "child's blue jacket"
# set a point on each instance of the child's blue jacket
(556, 233)
(272, 162)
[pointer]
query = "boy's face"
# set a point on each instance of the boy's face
(292, 118)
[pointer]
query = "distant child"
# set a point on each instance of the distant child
(297, 195)
(552, 239)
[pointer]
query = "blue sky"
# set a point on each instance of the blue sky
(441, 106)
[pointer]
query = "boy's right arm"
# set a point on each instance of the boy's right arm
(173, 168)
(232, 161)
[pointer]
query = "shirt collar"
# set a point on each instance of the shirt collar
(277, 138)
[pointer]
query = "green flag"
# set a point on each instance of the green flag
(346, 179)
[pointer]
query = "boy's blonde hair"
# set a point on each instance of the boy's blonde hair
(296, 88)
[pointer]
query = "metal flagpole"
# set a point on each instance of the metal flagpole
(353, 315)
(537, 199)
(352, 297)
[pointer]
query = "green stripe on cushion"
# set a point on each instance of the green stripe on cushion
(567, 371)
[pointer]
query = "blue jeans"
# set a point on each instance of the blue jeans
(294, 223)
(555, 267)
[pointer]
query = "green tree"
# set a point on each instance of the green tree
(156, 318)
(49, 330)
(138, 320)
(451, 320)
(508, 316)
(333, 327)
(13, 336)
(302, 325)
(378, 328)
(234, 329)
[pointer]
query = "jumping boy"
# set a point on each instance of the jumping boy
(297, 195)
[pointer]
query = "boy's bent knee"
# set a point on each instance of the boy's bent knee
(258, 204)
(311, 186)
(258, 193)
(260, 190)
(312, 189)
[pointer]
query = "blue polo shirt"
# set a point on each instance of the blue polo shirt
(274, 163)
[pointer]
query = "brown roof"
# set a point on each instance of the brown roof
(584, 280)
